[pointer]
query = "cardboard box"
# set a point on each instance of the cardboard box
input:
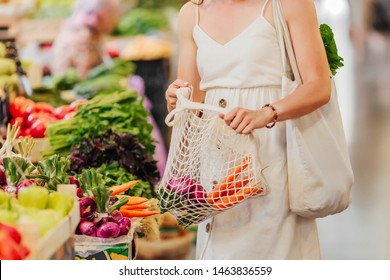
(59, 242)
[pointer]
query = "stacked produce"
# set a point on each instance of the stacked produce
(8, 77)
(30, 194)
(105, 78)
(144, 47)
(33, 117)
(141, 21)
(104, 212)
(111, 130)
(29, 201)
(110, 77)
(11, 243)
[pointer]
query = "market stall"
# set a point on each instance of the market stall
(98, 138)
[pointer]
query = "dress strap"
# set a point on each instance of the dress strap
(262, 10)
(197, 12)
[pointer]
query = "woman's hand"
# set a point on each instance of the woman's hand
(244, 121)
(170, 94)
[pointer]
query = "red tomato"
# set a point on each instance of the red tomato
(19, 120)
(20, 105)
(38, 129)
(33, 117)
(27, 132)
(61, 111)
(43, 107)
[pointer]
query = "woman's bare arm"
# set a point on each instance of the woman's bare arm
(187, 72)
(311, 59)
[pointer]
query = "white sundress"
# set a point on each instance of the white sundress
(247, 72)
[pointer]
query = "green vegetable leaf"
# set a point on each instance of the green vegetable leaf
(335, 61)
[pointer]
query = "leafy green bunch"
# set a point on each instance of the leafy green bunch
(335, 61)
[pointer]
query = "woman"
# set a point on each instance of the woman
(229, 54)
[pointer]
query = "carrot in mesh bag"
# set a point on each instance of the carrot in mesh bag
(221, 189)
(230, 200)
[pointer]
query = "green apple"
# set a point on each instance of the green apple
(8, 216)
(3, 197)
(46, 220)
(62, 203)
(33, 197)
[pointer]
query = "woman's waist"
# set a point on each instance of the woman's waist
(260, 89)
(249, 98)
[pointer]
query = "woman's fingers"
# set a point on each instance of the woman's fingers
(170, 94)
(231, 115)
(243, 120)
(244, 124)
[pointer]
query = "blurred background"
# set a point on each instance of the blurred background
(47, 36)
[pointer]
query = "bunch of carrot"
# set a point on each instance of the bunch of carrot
(232, 190)
(136, 206)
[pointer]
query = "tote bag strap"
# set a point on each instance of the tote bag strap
(286, 48)
(184, 103)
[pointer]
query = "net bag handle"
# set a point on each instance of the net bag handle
(184, 103)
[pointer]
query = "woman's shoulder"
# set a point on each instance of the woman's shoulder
(188, 11)
(187, 17)
(298, 9)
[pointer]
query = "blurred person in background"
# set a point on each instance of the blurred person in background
(78, 44)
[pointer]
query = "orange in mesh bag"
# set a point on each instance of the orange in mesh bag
(210, 168)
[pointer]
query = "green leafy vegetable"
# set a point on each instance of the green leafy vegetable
(121, 111)
(113, 147)
(16, 169)
(53, 171)
(335, 61)
(113, 175)
(141, 21)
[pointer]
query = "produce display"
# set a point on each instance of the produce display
(144, 47)
(11, 245)
(141, 21)
(29, 202)
(103, 77)
(120, 111)
(33, 117)
(29, 193)
(8, 77)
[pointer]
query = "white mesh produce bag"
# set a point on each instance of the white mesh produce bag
(210, 167)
